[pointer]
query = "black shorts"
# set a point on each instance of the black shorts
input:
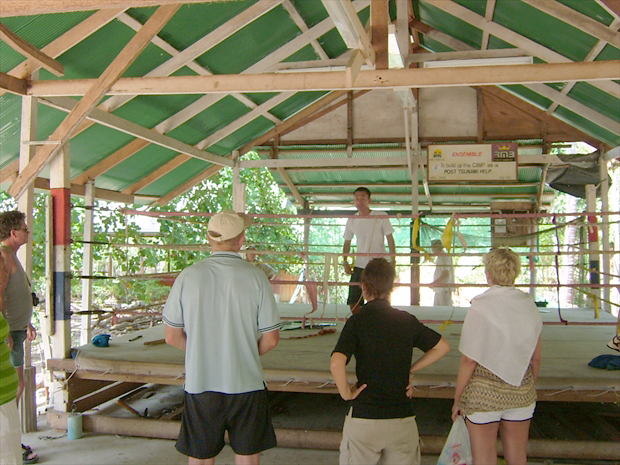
(355, 290)
(207, 415)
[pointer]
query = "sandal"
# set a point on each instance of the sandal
(29, 456)
(614, 343)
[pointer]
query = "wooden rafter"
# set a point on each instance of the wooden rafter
(182, 116)
(591, 56)
(577, 20)
(351, 28)
(488, 15)
(138, 144)
(157, 174)
(291, 186)
(100, 87)
(577, 107)
(320, 113)
(104, 194)
(30, 51)
(9, 172)
(529, 111)
(303, 27)
(193, 65)
(187, 56)
(12, 84)
(439, 36)
(67, 40)
(120, 124)
(346, 186)
(29, 7)
(111, 161)
(515, 39)
(613, 5)
(292, 121)
(552, 94)
(206, 174)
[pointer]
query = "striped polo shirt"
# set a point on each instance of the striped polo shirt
(8, 376)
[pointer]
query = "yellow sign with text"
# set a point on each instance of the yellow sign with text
(479, 162)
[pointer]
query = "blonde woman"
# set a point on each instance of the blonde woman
(500, 343)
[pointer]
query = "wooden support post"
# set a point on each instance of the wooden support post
(594, 264)
(606, 256)
(415, 204)
(533, 253)
(60, 190)
(25, 204)
(350, 124)
(379, 19)
(480, 108)
(87, 262)
(238, 187)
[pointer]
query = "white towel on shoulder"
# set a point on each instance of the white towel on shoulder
(500, 332)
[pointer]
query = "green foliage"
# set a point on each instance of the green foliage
(113, 228)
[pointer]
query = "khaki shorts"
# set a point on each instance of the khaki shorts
(365, 441)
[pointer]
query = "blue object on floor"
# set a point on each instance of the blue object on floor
(101, 340)
(606, 362)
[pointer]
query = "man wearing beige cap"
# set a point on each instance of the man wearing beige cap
(222, 312)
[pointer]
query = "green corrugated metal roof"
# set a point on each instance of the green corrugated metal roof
(248, 45)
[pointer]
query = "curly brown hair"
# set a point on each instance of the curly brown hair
(10, 221)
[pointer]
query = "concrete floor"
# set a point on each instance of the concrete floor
(54, 448)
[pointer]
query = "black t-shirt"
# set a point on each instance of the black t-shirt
(382, 339)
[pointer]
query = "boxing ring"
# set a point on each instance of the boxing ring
(300, 363)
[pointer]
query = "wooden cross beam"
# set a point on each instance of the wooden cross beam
(99, 88)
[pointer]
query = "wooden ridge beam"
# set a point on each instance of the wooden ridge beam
(98, 89)
(337, 80)
(30, 51)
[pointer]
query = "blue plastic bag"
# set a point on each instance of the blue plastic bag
(457, 449)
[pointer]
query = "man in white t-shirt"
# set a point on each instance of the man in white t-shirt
(369, 230)
(444, 275)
